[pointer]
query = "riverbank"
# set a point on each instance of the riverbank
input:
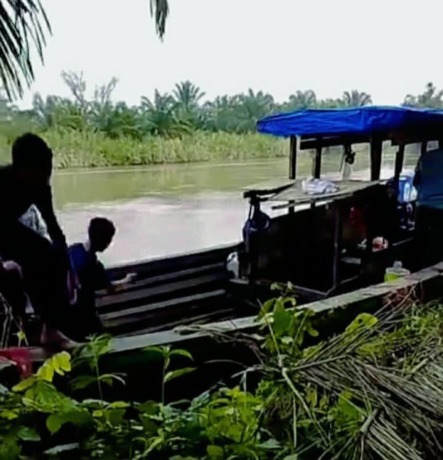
(370, 390)
(92, 149)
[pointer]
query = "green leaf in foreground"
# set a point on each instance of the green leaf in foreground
(178, 373)
(184, 353)
(77, 417)
(28, 434)
(215, 452)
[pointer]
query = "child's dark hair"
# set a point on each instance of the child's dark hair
(30, 151)
(101, 230)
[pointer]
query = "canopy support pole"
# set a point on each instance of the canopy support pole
(293, 157)
(399, 160)
(423, 148)
(316, 164)
(376, 152)
(338, 237)
(292, 165)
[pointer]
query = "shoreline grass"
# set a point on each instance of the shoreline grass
(80, 149)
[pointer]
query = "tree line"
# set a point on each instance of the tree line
(179, 112)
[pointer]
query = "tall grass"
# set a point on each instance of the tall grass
(91, 149)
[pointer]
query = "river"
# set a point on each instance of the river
(173, 209)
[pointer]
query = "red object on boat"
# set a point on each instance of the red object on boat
(21, 357)
(357, 220)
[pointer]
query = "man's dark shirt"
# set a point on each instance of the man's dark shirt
(90, 272)
(428, 180)
(14, 202)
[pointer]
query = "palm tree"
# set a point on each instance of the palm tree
(251, 107)
(161, 103)
(58, 111)
(160, 116)
(330, 103)
(24, 24)
(117, 120)
(356, 98)
(302, 100)
(222, 113)
(431, 98)
(187, 95)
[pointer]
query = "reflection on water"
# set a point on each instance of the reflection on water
(172, 209)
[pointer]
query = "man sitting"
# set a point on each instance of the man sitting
(24, 187)
(429, 219)
(92, 275)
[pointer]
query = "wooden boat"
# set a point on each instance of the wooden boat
(313, 247)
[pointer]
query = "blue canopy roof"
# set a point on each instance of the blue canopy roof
(349, 121)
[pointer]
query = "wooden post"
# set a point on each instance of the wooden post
(338, 229)
(399, 159)
(316, 164)
(293, 157)
(292, 164)
(376, 153)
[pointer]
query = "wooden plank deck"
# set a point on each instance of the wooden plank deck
(156, 266)
(167, 291)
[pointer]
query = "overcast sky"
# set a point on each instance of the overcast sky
(387, 48)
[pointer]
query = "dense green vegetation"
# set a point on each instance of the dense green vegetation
(180, 126)
(174, 114)
(374, 391)
(86, 148)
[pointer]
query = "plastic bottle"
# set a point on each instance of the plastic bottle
(395, 272)
(347, 171)
(233, 265)
(407, 192)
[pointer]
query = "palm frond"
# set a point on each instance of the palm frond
(160, 13)
(23, 25)
(389, 376)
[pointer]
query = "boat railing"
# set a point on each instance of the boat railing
(169, 292)
(263, 194)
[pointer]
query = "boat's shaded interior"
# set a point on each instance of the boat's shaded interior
(323, 249)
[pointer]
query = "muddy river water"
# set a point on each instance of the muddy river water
(173, 209)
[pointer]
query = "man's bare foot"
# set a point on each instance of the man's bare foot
(54, 338)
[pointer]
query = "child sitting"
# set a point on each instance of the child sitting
(92, 276)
